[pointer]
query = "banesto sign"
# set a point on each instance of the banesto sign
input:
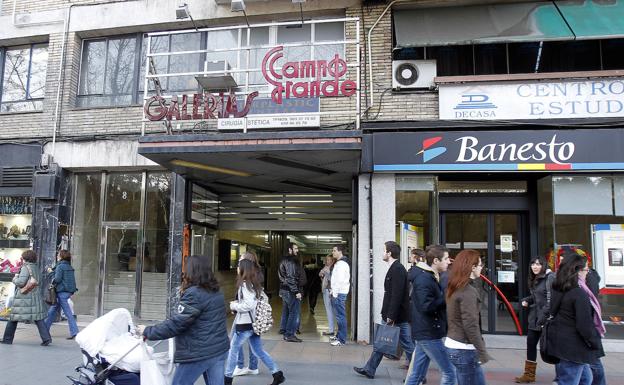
(285, 78)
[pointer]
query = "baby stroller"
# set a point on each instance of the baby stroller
(109, 348)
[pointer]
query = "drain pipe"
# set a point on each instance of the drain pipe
(371, 86)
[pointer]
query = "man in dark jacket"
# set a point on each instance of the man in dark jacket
(428, 315)
(289, 273)
(395, 308)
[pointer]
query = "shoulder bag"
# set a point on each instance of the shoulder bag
(546, 342)
(31, 284)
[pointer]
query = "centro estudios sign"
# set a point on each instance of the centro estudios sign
(539, 150)
(597, 98)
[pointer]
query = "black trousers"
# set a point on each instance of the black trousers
(11, 327)
(533, 337)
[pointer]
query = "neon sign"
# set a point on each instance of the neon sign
(203, 106)
(285, 78)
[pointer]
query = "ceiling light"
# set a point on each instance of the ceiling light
(297, 165)
(205, 167)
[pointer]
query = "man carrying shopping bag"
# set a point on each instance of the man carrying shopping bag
(394, 311)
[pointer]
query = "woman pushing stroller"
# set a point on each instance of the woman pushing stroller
(199, 325)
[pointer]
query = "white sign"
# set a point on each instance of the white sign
(282, 121)
(506, 243)
(533, 100)
(506, 277)
(609, 256)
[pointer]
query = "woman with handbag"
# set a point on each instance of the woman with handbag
(28, 304)
(464, 343)
(249, 292)
(540, 283)
(64, 283)
(575, 332)
(198, 325)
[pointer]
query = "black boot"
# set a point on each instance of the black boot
(278, 378)
(227, 380)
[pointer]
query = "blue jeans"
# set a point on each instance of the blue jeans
(290, 313)
(598, 373)
(253, 359)
(572, 373)
(427, 350)
(61, 303)
(212, 369)
(338, 303)
(405, 339)
(255, 343)
(329, 310)
(468, 369)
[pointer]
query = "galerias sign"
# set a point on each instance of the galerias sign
(202, 106)
(288, 79)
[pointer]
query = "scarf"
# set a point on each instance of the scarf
(596, 306)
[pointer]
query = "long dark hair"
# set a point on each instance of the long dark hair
(198, 272)
(249, 275)
(533, 277)
(567, 275)
(459, 275)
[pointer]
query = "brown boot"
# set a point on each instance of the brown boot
(529, 373)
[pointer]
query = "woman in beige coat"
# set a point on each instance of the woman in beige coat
(29, 306)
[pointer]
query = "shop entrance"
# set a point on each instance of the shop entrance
(500, 237)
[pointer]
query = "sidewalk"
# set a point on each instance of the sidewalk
(308, 363)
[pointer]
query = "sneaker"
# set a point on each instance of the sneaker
(240, 371)
(336, 343)
(253, 371)
(333, 338)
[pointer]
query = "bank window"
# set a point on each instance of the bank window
(23, 77)
(108, 72)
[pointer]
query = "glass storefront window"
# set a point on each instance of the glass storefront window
(123, 197)
(85, 242)
(414, 206)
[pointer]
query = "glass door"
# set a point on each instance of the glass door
(499, 239)
(119, 276)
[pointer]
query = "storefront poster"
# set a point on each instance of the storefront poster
(506, 243)
(609, 254)
(408, 241)
(506, 276)
(596, 98)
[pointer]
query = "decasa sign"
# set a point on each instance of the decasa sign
(521, 150)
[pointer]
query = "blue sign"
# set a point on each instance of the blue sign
(266, 106)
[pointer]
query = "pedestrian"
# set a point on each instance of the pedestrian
(540, 284)
(340, 284)
(252, 369)
(464, 342)
(395, 307)
(290, 291)
(198, 325)
(325, 275)
(249, 289)
(314, 283)
(428, 316)
(27, 307)
(64, 282)
(577, 326)
(416, 255)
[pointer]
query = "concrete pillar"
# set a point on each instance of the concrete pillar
(363, 260)
(176, 237)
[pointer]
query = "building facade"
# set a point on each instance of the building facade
(491, 125)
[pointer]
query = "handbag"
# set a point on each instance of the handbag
(545, 342)
(31, 284)
(157, 368)
(50, 295)
(386, 339)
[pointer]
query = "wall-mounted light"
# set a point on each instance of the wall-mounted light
(182, 12)
(239, 6)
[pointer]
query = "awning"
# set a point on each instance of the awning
(479, 24)
(594, 19)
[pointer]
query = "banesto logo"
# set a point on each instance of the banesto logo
(429, 152)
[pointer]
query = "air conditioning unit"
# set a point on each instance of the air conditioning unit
(412, 74)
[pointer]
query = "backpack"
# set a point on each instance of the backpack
(264, 315)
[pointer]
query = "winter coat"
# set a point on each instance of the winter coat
(396, 294)
(289, 273)
(30, 306)
(244, 306)
(198, 323)
(463, 310)
(538, 301)
(573, 333)
(428, 307)
(64, 278)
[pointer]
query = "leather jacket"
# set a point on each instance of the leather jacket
(289, 274)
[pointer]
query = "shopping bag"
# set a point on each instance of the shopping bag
(386, 339)
(157, 368)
